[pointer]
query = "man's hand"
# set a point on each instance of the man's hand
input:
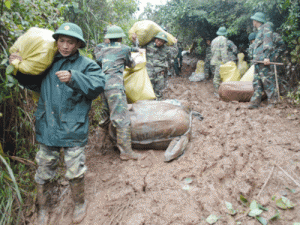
(14, 56)
(134, 36)
(266, 62)
(64, 76)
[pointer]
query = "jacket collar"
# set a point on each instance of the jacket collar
(71, 58)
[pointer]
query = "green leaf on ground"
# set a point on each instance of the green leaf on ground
(253, 205)
(255, 212)
(243, 199)
(288, 203)
(276, 216)
(291, 190)
(230, 208)
(296, 223)
(262, 220)
(261, 207)
(212, 219)
(284, 203)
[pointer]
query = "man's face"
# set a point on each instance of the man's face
(251, 42)
(67, 45)
(256, 23)
(159, 42)
(208, 42)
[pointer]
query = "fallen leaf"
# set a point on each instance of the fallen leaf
(212, 219)
(262, 220)
(230, 208)
(255, 212)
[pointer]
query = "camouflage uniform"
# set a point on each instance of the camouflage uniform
(264, 78)
(114, 57)
(47, 159)
(208, 69)
(219, 50)
(157, 66)
(232, 51)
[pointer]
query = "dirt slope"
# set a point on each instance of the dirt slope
(232, 152)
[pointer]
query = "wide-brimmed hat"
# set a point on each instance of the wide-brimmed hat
(222, 31)
(162, 35)
(260, 17)
(72, 30)
(114, 32)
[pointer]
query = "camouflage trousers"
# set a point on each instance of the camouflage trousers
(217, 79)
(209, 70)
(115, 103)
(47, 159)
(158, 81)
(264, 80)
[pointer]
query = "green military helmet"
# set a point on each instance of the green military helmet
(72, 30)
(252, 36)
(260, 17)
(222, 31)
(114, 32)
(162, 35)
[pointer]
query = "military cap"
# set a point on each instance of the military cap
(72, 30)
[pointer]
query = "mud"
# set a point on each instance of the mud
(232, 152)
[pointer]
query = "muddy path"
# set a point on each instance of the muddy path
(233, 151)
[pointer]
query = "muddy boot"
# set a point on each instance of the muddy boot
(124, 144)
(43, 216)
(77, 189)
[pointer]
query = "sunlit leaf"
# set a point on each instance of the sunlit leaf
(7, 4)
(212, 219)
(255, 212)
(230, 208)
(262, 220)
(253, 205)
(9, 69)
(276, 216)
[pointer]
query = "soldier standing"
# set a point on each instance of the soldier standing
(264, 77)
(158, 54)
(219, 50)
(67, 89)
(113, 57)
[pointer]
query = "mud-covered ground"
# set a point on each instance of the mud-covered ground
(233, 152)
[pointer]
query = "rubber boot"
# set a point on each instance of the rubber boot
(124, 144)
(43, 215)
(77, 189)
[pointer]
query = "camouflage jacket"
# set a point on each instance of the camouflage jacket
(113, 58)
(279, 46)
(232, 51)
(157, 58)
(219, 51)
(263, 44)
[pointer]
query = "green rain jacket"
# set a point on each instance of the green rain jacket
(62, 111)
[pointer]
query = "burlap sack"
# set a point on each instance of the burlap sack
(241, 91)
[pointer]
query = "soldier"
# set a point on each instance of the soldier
(219, 49)
(113, 57)
(157, 54)
(264, 78)
(251, 39)
(67, 89)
